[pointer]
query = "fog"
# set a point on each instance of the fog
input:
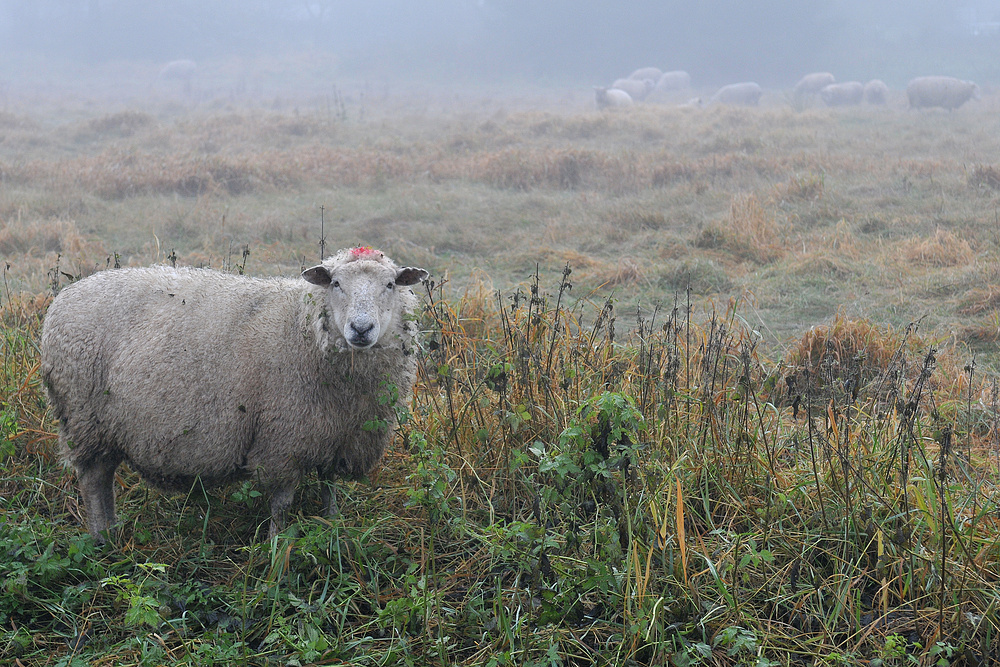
(557, 42)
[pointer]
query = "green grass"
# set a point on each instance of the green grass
(671, 407)
(567, 491)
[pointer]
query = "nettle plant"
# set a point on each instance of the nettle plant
(431, 478)
(586, 474)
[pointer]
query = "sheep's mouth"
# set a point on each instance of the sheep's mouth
(360, 342)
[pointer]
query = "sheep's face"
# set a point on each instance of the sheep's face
(362, 298)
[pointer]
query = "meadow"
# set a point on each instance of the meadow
(698, 386)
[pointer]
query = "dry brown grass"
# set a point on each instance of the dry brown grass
(521, 169)
(643, 201)
(38, 237)
(807, 188)
(844, 339)
(835, 252)
(985, 176)
(981, 298)
(943, 249)
(757, 228)
(123, 123)
(751, 232)
(625, 271)
(821, 263)
(46, 253)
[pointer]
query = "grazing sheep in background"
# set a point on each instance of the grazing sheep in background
(676, 80)
(940, 91)
(668, 85)
(643, 73)
(745, 94)
(876, 92)
(180, 70)
(844, 94)
(610, 98)
(637, 90)
(813, 83)
(192, 373)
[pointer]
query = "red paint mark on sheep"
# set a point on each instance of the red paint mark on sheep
(365, 251)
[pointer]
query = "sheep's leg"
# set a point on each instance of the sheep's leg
(281, 500)
(98, 489)
(328, 493)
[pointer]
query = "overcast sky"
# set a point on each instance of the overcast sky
(560, 41)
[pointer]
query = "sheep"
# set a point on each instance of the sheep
(876, 92)
(676, 80)
(669, 86)
(848, 93)
(643, 73)
(813, 83)
(193, 373)
(940, 91)
(610, 98)
(180, 70)
(740, 94)
(637, 90)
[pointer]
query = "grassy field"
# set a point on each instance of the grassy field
(699, 386)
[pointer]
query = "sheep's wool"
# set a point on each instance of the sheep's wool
(193, 373)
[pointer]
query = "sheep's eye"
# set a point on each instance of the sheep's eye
(335, 283)
(390, 285)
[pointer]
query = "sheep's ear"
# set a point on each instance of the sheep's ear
(408, 275)
(317, 275)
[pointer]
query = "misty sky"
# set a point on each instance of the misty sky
(558, 41)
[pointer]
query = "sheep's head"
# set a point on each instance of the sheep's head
(363, 299)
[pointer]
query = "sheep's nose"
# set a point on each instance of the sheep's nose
(362, 328)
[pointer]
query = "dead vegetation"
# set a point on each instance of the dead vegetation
(645, 201)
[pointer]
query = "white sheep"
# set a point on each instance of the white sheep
(740, 94)
(637, 90)
(192, 373)
(675, 80)
(848, 93)
(643, 73)
(940, 91)
(813, 83)
(611, 98)
(876, 92)
(180, 70)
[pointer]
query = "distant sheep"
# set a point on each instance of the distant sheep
(813, 83)
(643, 73)
(940, 91)
(190, 374)
(844, 94)
(676, 80)
(745, 94)
(609, 98)
(180, 70)
(637, 90)
(876, 92)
